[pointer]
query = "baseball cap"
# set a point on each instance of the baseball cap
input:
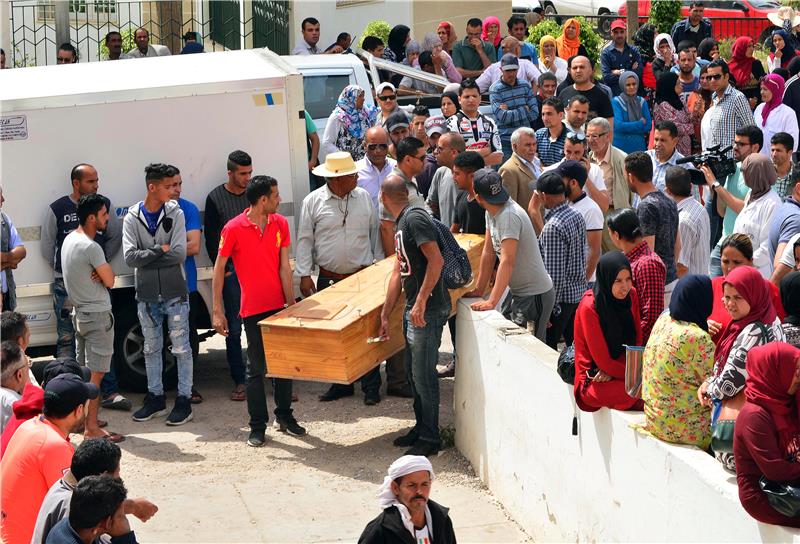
(396, 120)
(66, 392)
(385, 85)
(435, 125)
(550, 183)
(619, 23)
(65, 365)
(489, 186)
(573, 170)
(509, 62)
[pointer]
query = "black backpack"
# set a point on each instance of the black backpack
(456, 272)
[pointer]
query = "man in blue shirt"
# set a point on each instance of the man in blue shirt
(513, 102)
(518, 28)
(193, 229)
(619, 57)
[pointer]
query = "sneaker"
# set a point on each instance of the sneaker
(153, 406)
(181, 413)
(447, 371)
(289, 425)
(408, 439)
(256, 439)
(115, 401)
(423, 448)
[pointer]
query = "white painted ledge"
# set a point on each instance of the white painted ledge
(612, 482)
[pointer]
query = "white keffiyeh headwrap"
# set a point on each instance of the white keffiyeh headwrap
(407, 464)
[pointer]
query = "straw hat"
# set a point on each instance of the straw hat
(336, 165)
(778, 17)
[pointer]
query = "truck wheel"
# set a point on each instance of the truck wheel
(129, 353)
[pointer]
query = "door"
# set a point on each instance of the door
(225, 23)
(271, 25)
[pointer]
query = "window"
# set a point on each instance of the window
(322, 92)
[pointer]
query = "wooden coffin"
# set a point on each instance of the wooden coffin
(325, 336)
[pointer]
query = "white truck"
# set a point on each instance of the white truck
(188, 110)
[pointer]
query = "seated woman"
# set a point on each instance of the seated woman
(664, 55)
(677, 359)
(632, 121)
(754, 322)
(649, 272)
(737, 250)
(611, 308)
(766, 437)
(569, 43)
(781, 51)
(790, 297)
(549, 61)
(443, 63)
(746, 70)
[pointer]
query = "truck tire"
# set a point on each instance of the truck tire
(128, 358)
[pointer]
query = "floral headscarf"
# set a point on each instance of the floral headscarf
(357, 121)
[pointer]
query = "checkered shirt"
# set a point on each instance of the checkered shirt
(564, 248)
(728, 114)
(649, 277)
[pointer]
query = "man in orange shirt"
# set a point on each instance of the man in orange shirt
(39, 453)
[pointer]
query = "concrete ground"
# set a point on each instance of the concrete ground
(210, 487)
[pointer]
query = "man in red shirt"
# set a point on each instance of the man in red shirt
(39, 453)
(258, 242)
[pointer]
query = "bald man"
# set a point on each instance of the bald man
(376, 164)
(527, 70)
(418, 270)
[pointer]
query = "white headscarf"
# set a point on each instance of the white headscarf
(405, 465)
(659, 39)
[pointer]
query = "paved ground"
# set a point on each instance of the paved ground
(211, 487)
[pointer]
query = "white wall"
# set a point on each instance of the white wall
(351, 18)
(612, 482)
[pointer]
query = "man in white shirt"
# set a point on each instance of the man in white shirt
(376, 164)
(308, 45)
(527, 70)
(575, 176)
(693, 224)
(143, 47)
(338, 232)
(577, 111)
(575, 150)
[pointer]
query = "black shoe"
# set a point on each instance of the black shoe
(371, 398)
(181, 413)
(289, 425)
(115, 401)
(336, 392)
(256, 439)
(404, 392)
(408, 439)
(154, 405)
(423, 448)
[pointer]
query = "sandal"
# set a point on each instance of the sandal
(239, 393)
(196, 397)
(114, 438)
(102, 423)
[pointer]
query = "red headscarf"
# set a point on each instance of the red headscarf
(451, 34)
(485, 35)
(741, 66)
(770, 372)
(751, 285)
(775, 84)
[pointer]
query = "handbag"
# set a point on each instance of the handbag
(566, 365)
(722, 428)
(784, 498)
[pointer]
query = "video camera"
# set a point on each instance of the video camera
(717, 160)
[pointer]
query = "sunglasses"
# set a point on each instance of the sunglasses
(64, 60)
(373, 147)
(715, 77)
(389, 97)
(580, 136)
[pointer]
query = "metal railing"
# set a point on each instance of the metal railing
(220, 24)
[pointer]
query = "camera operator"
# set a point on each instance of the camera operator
(729, 193)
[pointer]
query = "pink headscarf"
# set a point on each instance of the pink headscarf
(775, 84)
(491, 21)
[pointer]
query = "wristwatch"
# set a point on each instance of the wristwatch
(716, 185)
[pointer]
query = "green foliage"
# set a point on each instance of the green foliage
(447, 437)
(127, 42)
(664, 14)
(791, 3)
(379, 29)
(589, 38)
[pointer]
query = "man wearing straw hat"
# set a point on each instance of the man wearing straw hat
(338, 232)
(407, 510)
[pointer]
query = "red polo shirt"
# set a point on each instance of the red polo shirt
(257, 258)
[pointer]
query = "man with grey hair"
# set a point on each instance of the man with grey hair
(523, 168)
(527, 70)
(611, 161)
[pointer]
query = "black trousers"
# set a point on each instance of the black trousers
(564, 324)
(256, 378)
(371, 381)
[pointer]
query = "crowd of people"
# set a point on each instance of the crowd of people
(600, 235)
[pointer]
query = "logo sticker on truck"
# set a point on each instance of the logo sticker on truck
(13, 127)
(268, 99)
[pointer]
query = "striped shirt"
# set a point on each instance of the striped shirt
(726, 116)
(478, 133)
(784, 186)
(564, 248)
(521, 102)
(695, 232)
(550, 151)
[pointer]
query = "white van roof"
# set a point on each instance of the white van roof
(117, 77)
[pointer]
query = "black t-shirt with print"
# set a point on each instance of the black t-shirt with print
(469, 216)
(414, 228)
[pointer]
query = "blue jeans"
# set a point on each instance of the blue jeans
(422, 354)
(232, 298)
(715, 268)
(65, 331)
(151, 317)
(507, 151)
